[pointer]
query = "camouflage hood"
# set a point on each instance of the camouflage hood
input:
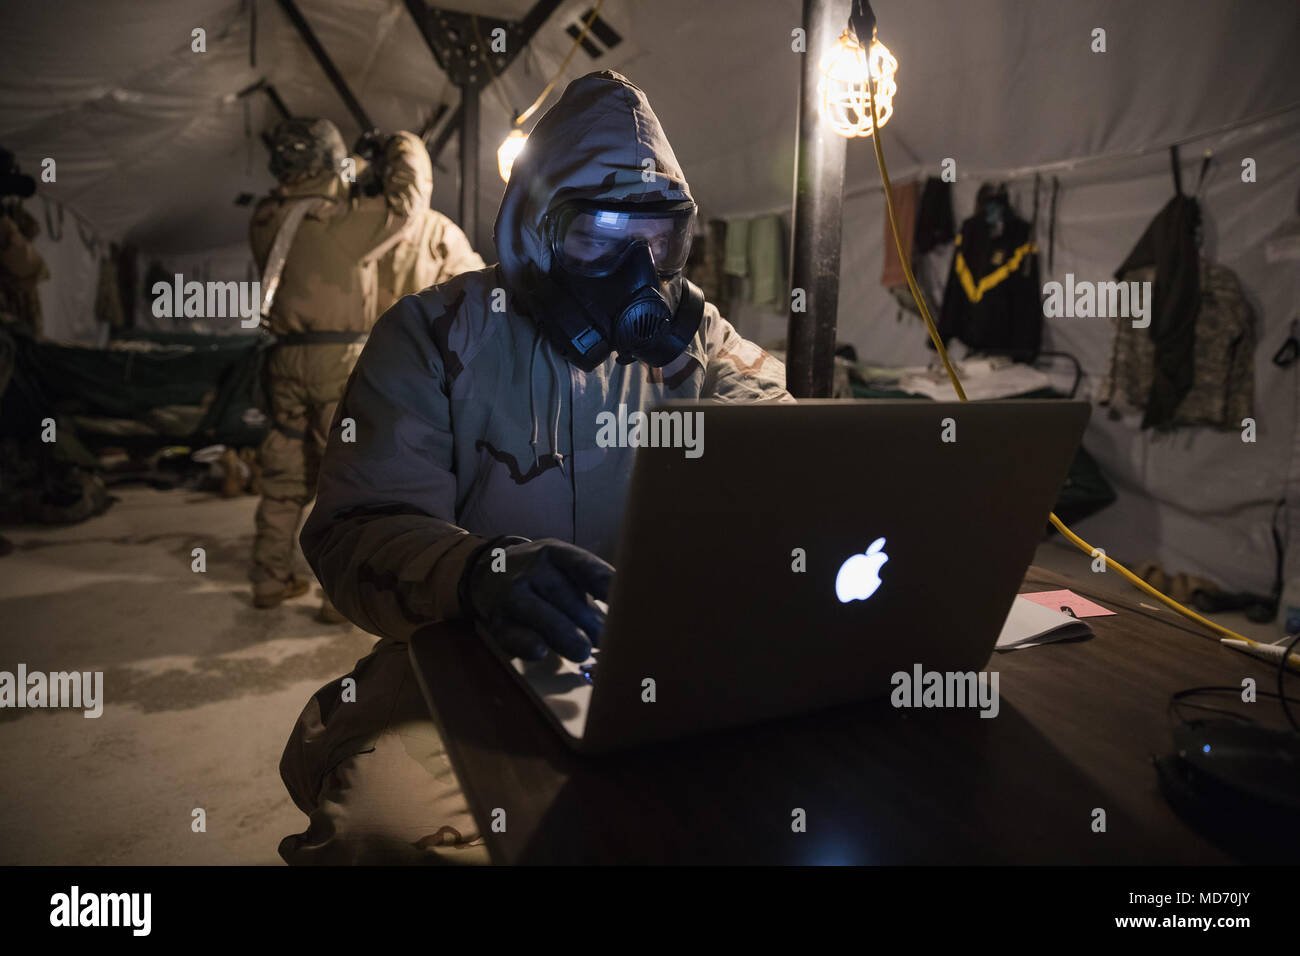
(593, 144)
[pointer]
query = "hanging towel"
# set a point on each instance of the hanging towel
(766, 261)
(737, 261)
(906, 197)
(705, 265)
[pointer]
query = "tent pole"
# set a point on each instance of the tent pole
(331, 72)
(261, 86)
(469, 151)
(450, 36)
(438, 140)
(818, 194)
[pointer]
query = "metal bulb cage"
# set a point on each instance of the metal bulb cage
(845, 96)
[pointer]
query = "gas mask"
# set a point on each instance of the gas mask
(302, 147)
(615, 283)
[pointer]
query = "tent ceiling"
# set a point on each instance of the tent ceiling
(153, 145)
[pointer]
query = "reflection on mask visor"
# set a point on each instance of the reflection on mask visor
(591, 241)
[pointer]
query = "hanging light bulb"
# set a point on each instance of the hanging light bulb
(509, 151)
(845, 97)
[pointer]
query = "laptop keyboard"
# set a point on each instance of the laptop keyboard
(588, 670)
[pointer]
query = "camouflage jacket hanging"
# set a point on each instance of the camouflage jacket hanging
(1223, 378)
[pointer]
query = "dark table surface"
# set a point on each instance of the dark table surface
(1078, 727)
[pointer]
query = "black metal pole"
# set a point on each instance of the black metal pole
(469, 136)
(278, 103)
(449, 36)
(439, 140)
(432, 122)
(818, 195)
(534, 18)
(340, 85)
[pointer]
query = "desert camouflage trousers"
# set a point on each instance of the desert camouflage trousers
(368, 766)
(305, 384)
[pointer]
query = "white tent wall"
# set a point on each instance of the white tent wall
(1195, 500)
(71, 249)
(153, 144)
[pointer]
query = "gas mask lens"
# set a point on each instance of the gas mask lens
(591, 240)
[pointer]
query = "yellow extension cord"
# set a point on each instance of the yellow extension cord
(1060, 526)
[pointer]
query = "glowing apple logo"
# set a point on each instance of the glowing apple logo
(860, 575)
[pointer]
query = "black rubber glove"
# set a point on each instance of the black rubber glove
(540, 600)
(370, 145)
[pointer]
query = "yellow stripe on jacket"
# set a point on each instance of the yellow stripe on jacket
(976, 292)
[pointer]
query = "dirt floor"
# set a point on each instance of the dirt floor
(201, 689)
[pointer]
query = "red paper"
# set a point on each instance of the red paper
(1060, 600)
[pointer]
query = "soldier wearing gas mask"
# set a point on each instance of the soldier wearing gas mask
(476, 409)
(21, 267)
(317, 241)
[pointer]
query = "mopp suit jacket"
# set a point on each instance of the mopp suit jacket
(467, 424)
(330, 278)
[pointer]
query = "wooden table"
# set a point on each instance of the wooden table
(1078, 726)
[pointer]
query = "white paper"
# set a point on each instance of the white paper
(1028, 624)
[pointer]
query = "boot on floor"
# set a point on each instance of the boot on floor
(268, 594)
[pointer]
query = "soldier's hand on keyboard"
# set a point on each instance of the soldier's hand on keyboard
(536, 597)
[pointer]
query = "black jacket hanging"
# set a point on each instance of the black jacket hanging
(934, 224)
(993, 301)
(1171, 244)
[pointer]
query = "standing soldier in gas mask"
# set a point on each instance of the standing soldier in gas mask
(317, 240)
(21, 267)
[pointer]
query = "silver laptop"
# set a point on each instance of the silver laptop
(802, 554)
